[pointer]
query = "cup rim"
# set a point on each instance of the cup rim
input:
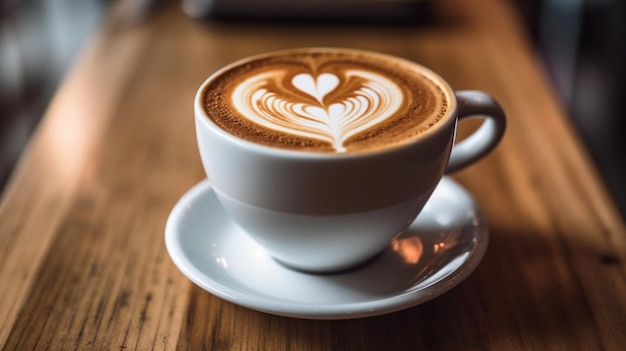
(202, 116)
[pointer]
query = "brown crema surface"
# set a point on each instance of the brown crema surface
(423, 101)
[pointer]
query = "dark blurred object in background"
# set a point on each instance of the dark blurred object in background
(583, 47)
(377, 11)
(38, 41)
(599, 90)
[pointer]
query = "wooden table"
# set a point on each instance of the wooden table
(83, 263)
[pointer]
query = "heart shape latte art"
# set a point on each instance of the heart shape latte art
(325, 107)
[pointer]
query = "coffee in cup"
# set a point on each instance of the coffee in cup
(327, 101)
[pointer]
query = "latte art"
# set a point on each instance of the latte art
(308, 108)
(333, 101)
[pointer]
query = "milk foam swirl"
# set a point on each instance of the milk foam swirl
(325, 107)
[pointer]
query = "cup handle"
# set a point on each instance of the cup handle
(476, 104)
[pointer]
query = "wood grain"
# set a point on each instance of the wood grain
(82, 260)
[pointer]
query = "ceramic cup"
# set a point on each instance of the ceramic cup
(328, 212)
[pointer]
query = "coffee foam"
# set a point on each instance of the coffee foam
(325, 101)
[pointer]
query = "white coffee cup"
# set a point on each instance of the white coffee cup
(329, 212)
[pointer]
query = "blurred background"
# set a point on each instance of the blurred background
(581, 45)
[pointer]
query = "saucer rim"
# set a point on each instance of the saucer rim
(327, 311)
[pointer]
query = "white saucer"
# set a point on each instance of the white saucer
(440, 249)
